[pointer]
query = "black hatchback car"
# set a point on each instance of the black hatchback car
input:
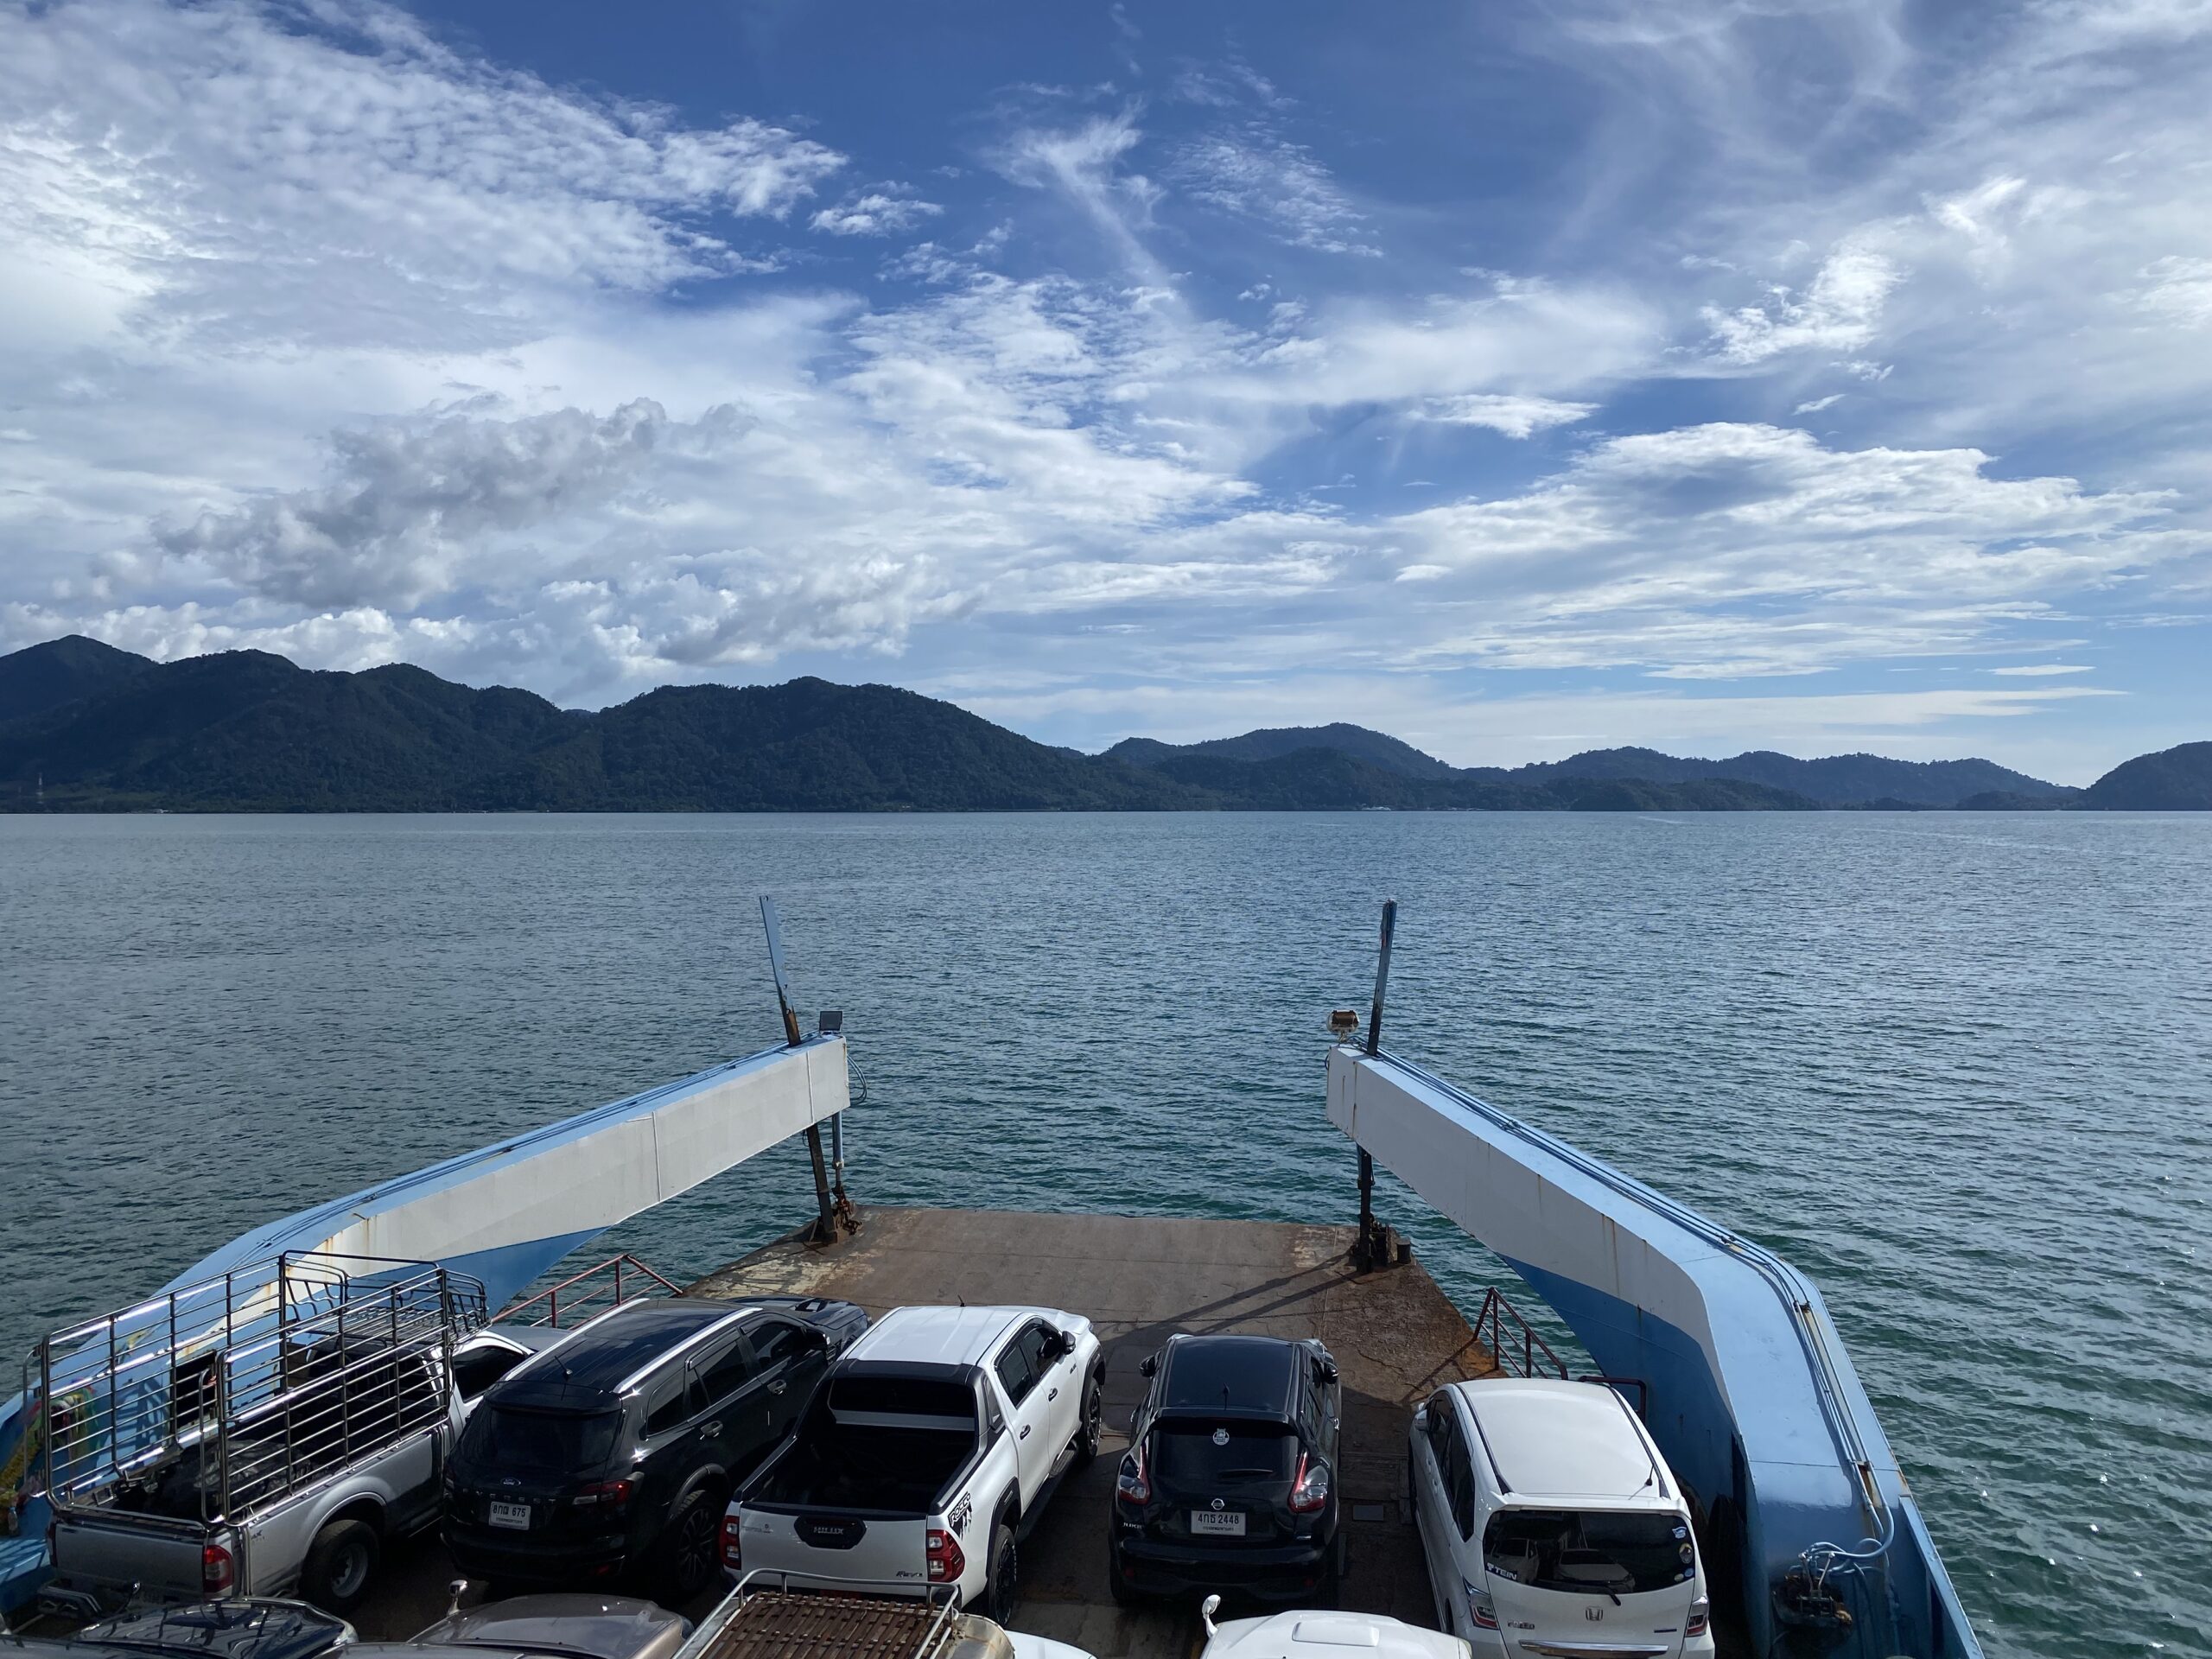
(242, 1628)
(1229, 1481)
(608, 1458)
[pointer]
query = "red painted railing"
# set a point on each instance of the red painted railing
(582, 1296)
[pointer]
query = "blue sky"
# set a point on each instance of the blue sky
(1518, 380)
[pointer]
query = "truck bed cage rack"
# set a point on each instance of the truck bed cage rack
(839, 1620)
(220, 1399)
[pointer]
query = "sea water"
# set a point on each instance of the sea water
(1956, 1068)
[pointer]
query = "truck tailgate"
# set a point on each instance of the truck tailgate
(104, 1556)
(824, 1547)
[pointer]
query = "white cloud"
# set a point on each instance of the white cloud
(2177, 290)
(2042, 670)
(1255, 173)
(1081, 164)
(1730, 549)
(1837, 311)
(1815, 405)
(884, 211)
(417, 504)
(331, 172)
(1516, 417)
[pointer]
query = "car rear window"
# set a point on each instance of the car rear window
(919, 1402)
(1189, 1453)
(1593, 1551)
(559, 1441)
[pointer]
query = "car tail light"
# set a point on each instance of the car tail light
(1309, 1489)
(1134, 1484)
(1479, 1610)
(733, 1546)
(947, 1562)
(217, 1572)
(604, 1494)
(1701, 1615)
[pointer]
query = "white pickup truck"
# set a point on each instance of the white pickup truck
(928, 1454)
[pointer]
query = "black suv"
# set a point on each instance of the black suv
(1228, 1482)
(608, 1458)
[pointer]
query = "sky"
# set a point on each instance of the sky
(1516, 378)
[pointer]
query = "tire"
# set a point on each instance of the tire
(1330, 1591)
(341, 1565)
(1123, 1595)
(1094, 1420)
(689, 1551)
(1001, 1582)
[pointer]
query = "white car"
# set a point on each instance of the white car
(1324, 1636)
(929, 1451)
(1552, 1524)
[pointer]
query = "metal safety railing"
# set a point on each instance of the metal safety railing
(1512, 1341)
(1535, 1356)
(587, 1294)
(220, 1398)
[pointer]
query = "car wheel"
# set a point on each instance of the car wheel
(1094, 1421)
(999, 1587)
(341, 1565)
(690, 1550)
(1330, 1590)
(1124, 1594)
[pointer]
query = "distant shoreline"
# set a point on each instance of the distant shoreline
(87, 728)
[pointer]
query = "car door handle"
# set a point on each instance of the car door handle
(1025, 1433)
(778, 1386)
(1054, 1394)
(710, 1430)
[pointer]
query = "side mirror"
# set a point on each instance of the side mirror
(1329, 1371)
(1420, 1418)
(1149, 1366)
(1207, 1608)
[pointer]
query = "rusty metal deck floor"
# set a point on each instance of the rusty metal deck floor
(1140, 1280)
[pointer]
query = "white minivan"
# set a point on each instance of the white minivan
(1552, 1526)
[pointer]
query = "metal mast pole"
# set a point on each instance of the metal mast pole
(1367, 1253)
(826, 1222)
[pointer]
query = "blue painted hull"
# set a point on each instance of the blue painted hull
(1749, 1390)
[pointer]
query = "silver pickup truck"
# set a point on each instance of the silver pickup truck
(257, 1436)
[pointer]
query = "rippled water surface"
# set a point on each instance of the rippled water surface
(1958, 1068)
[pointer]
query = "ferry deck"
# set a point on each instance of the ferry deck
(1138, 1279)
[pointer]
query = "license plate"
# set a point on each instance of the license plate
(1221, 1524)
(517, 1516)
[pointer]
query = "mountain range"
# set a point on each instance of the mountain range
(85, 727)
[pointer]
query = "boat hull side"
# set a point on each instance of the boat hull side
(1747, 1387)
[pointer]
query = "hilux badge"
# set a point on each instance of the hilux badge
(1221, 1437)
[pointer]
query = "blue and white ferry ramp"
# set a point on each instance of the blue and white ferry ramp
(1744, 1381)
